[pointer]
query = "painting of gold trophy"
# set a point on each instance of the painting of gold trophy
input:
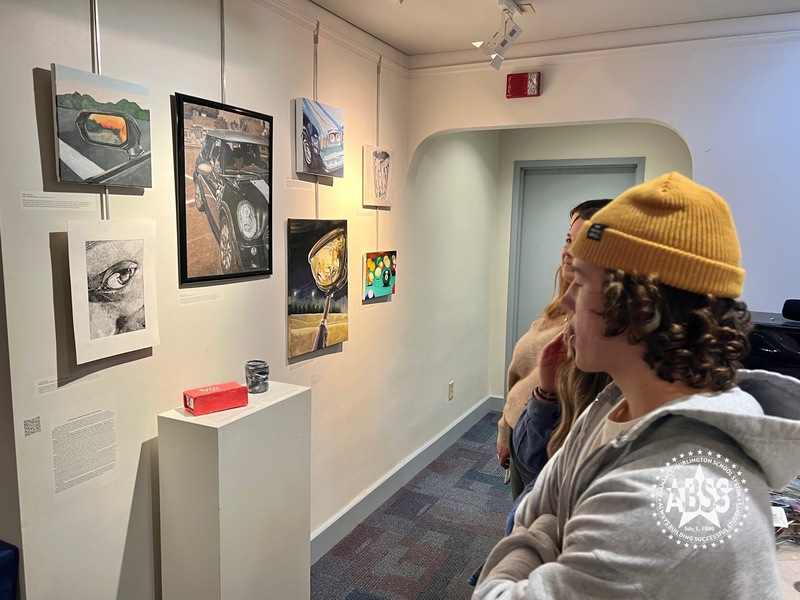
(379, 168)
(317, 301)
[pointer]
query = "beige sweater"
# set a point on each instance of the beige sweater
(523, 373)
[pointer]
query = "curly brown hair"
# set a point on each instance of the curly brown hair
(696, 339)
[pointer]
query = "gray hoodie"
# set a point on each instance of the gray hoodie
(675, 507)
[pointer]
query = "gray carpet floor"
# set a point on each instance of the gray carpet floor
(425, 541)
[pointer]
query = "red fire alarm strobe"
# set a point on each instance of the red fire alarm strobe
(523, 85)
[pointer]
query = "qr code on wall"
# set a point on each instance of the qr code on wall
(32, 426)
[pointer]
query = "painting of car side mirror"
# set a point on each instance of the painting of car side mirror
(204, 168)
(110, 129)
(102, 128)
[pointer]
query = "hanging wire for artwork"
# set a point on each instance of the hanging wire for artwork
(105, 212)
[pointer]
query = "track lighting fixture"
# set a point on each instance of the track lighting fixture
(506, 35)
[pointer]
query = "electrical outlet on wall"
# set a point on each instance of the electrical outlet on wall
(450, 391)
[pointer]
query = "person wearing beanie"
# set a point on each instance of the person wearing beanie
(661, 488)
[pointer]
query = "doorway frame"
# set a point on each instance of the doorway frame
(521, 168)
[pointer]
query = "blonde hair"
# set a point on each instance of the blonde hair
(576, 389)
(584, 210)
(554, 310)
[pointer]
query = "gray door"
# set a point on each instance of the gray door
(544, 193)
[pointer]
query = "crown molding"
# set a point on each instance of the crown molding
(333, 35)
(524, 58)
(722, 33)
(289, 13)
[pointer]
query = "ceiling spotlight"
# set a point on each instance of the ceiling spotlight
(504, 37)
(496, 62)
(484, 47)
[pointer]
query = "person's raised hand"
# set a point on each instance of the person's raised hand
(552, 356)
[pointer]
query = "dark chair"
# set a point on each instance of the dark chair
(775, 344)
(9, 571)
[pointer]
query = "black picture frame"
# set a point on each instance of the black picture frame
(223, 179)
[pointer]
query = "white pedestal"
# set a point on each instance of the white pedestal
(235, 499)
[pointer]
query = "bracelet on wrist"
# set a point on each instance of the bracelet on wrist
(546, 396)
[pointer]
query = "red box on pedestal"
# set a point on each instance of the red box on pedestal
(213, 398)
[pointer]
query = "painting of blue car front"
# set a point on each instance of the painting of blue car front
(320, 138)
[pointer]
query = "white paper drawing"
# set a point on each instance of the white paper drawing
(112, 273)
(379, 167)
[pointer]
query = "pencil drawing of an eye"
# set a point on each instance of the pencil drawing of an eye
(119, 275)
(110, 284)
(115, 287)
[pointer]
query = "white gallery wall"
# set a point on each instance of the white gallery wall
(732, 100)
(376, 399)
(382, 396)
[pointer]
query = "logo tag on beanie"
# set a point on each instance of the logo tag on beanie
(596, 232)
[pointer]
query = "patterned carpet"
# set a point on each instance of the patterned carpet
(425, 541)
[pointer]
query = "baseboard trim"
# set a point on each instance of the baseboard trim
(329, 534)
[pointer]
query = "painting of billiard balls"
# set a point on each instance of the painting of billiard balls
(380, 271)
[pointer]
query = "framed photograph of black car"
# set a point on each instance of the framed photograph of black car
(223, 174)
(102, 128)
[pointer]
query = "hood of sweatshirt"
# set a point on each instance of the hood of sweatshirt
(762, 414)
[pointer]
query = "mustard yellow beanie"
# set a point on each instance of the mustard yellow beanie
(672, 228)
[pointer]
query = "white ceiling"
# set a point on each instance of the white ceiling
(430, 26)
